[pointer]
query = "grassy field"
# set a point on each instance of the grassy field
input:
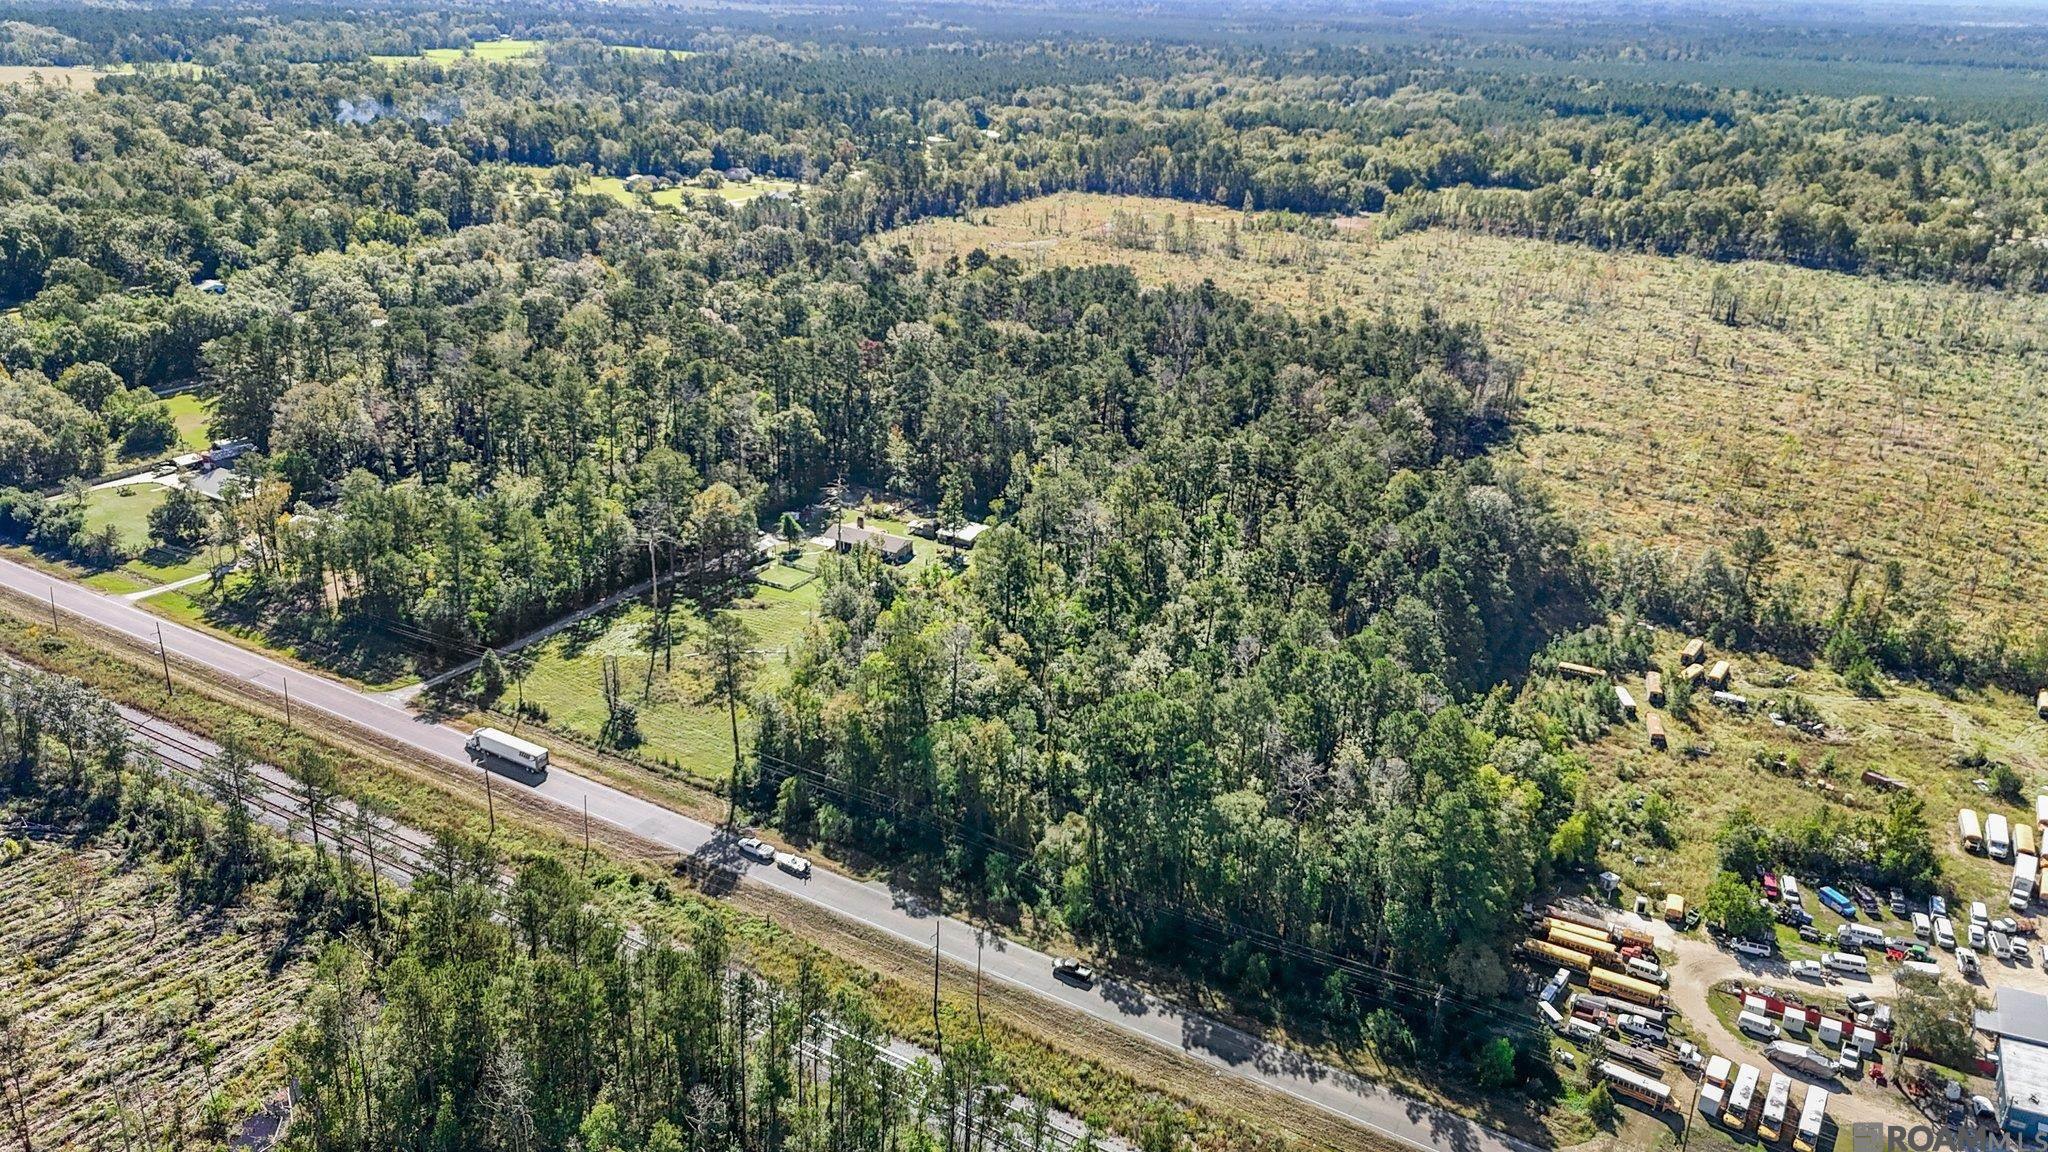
(1850, 417)
(136, 1014)
(678, 724)
(490, 52)
(79, 76)
(191, 411)
(1719, 761)
(675, 197)
(126, 508)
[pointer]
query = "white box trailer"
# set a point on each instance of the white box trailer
(522, 754)
(2026, 878)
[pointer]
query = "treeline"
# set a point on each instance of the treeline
(66, 761)
(1873, 621)
(524, 1017)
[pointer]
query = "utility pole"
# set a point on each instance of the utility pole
(53, 607)
(287, 688)
(490, 805)
(938, 1036)
(586, 833)
(165, 655)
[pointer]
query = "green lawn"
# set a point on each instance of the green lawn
(677, 725)
(190, 411)
(731, 193)
(490, 51)
(127, 509)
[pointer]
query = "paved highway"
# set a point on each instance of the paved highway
(1224, 1049)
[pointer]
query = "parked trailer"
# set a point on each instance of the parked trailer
(1695, 650)
(1812, 1118)
(1580, 671)
(1612, 1004)
(2041, 812)
(1625, 700)
(2041, 703)
(1626, 987)
(1550, 953)
(1741, 1098)
(1972, 832)
(1637, 1055)
(1654, 725)
(523, 754)
(1777, 1098)
(1653, 687)
(1648, 1091)
(2026, 879)
(1694, 673)
(1800, 1058)
(2022, 839)
(1717, 676)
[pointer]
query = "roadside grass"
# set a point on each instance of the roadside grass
(358, 651)
(1852, 418)
(1719, 761)
(133, 1008)
(679, 195)
(488, 51)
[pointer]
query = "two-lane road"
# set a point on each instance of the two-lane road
(1224, 1049)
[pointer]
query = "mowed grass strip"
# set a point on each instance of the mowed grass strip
(1852, 418)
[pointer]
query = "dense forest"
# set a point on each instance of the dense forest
(1229, 683)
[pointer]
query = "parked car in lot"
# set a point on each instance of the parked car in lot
(1944, 933)
(1073, 971)
(1966, 961)
(1744, 946)
(1810, 934)
(1808, 970)
(1898, 902)
(758, 849)
(1936, 906)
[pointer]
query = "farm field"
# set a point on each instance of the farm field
(1852, 418)
(183, 1032)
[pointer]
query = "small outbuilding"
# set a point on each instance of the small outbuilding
(962, 537)
(846, 537)
(1695, 651)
